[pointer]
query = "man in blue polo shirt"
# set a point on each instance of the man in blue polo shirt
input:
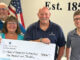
(47, 32)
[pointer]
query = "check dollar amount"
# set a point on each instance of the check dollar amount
(26, 50)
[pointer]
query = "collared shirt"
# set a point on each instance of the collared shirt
(73, 41)
(1, 25)
(54, 33)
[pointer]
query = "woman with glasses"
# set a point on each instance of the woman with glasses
(73, 39)
(11, 29)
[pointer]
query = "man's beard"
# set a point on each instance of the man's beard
(43, 18)
(44, 23)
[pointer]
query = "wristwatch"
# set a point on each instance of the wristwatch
(40, 39)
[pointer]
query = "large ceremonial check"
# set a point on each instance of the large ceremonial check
(26, 50)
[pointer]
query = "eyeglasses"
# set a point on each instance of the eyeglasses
(3, 8)
(11, 23)
(76, 18)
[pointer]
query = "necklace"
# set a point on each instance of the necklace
(11, 36)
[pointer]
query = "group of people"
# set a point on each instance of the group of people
(9, 26)
(44, 30)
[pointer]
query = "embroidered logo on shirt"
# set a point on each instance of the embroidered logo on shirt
(52, 33)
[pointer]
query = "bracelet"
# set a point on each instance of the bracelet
(40, 39)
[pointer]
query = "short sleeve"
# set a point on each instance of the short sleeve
(61, 39)
(68, 40)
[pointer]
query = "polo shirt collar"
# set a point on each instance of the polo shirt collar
(2, 21)
(38, 24)
(74, 31)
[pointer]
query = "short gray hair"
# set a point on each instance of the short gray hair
(1, 3)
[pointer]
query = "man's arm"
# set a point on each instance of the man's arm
(67, 53)
(43, 40)
(60, 52)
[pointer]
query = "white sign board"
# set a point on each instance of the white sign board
(26, 50)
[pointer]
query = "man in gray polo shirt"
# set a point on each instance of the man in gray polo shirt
(73, 39)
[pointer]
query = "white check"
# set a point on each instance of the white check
(26, 50)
